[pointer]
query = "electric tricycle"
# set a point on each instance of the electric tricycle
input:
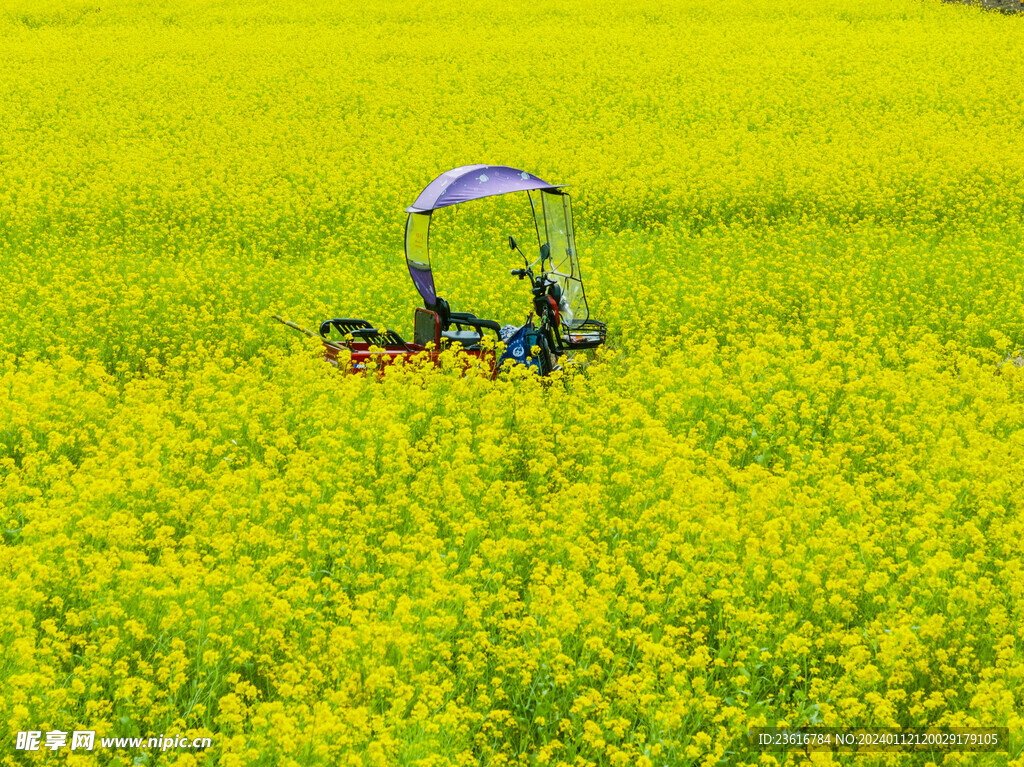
(559, 325)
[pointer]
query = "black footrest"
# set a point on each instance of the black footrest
(386, 339)
(343, 326)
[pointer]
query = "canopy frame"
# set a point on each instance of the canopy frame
(474, 182)
(453, 187)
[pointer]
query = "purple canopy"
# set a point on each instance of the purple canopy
(462, 184)
(471, 182)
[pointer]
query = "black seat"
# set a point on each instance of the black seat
(462, 319)
(467, 338)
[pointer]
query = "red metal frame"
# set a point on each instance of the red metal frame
(364, 356)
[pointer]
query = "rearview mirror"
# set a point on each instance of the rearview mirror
(512, 243)
(545, 252)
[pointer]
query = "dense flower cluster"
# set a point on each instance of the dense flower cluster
(787, 492)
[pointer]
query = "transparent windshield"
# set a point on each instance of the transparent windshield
(555, 227)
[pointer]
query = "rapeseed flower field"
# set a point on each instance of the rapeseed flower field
(787, 492)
